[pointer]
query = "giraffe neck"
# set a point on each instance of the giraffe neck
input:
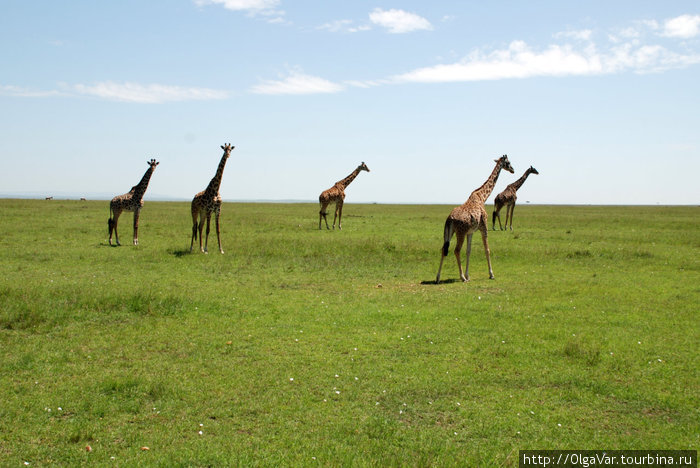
(518, 183)
(346, 181)
(213, 187)
(140, 189)
(483, 192)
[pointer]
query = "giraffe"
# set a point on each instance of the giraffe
(507, 198)
(337, 194)
(467, 218)
(131, 201)
(207, 202)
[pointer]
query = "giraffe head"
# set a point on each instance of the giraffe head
(227, 149)
(504, 163)
(153, 163)
(363, 167)
(532, 170)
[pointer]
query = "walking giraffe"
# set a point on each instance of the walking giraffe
(337, 194)
(467, 218)
(507, 198)
(207, 202)
(131, 201)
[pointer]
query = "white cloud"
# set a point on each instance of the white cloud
(684, 26)
(266, 8)
(17, 91)
(242, 5)
(343, 26)
(522, 61)
(297, 83)
(518, 61)
(399, 21)
(153, 93)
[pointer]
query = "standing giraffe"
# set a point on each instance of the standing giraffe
(131, 201)
(337, 194)
(467, 218)
(507, 198)
(207, 202)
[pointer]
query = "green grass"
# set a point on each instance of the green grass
(300, 347)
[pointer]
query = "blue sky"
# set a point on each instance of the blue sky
(601, 97)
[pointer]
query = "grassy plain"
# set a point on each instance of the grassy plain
(300, 347)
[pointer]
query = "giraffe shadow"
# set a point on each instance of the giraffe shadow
(179, 252)
(447, 281)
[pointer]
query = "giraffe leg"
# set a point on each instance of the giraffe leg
(335, 216)
(497, 214)
(137, 213)
(322, 213)
(512, 208)
(484, 237)
(469, 253)
(194, 228)
(201, 228)
(458, 251)
(115, 222)
(110, 224)
(206, 241)
(340, 213)
(218, 232)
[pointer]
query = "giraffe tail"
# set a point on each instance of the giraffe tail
(447, 237)
(110, 221)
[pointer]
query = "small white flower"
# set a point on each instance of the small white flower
(200, 433)
(291, 379)
(559, 425)
(337, 392)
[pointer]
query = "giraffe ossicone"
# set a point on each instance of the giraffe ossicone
(336, 194)
(130, 201)
(465, 219)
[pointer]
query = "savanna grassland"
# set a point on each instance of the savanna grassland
(301, 347)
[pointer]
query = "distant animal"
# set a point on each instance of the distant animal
(336, 194)
(130, 201)
(49, 198)
(207, 202)
(465, 219)
(507, 198)
(82, 199)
